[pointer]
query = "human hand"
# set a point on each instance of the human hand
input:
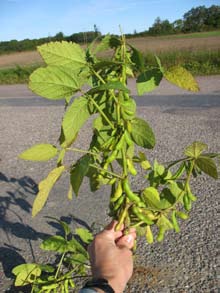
(111, 256)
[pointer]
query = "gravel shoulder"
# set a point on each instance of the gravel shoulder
(184, 262)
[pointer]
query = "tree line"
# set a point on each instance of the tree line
(197, 19)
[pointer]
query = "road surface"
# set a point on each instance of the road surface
(184, 262)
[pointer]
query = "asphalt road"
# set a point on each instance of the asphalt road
(184, 262)
(166, 95)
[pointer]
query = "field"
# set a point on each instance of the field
(198, 52)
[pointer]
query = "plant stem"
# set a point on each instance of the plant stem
(59, 265)
(125, 168)
(101, 112)
(106, 171)
(186, 183)
(98, 76)
(137, 225)
(81, 151)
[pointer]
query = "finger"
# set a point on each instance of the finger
(110, 232)
(127, 241)
(112, 226)
(130, 231)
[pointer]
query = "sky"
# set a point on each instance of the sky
(29, 19)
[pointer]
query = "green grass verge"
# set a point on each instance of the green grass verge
(18, 74)
(198, 63)
(191, 35)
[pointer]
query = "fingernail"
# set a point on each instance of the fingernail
(129, 238)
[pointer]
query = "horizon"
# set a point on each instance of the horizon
(41, 19)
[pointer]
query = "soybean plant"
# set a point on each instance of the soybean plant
(96, 87)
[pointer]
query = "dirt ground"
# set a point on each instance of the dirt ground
(20, 58)
(152, 44)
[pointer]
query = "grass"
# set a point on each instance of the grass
(193, 35)
(18, 74)
(197, 62)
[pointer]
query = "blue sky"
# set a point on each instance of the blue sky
(21, 19)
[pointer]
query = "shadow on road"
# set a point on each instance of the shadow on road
(14, 199)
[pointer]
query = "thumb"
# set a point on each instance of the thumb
(126, 241)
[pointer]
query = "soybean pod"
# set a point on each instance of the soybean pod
(175, 222)
(131, 167)
(138, 213)
(112, 157)
(133, 197)
(117, 193)
(118, 203)
(161, 234)
(120, 143)
(187, 202)
(121, 219)
(149, 235)
(128, 138)
(182, 215)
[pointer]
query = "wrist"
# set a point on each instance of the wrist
(115, 284)
(100, 285)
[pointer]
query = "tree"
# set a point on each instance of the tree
(59, 36)
(177, 25)
(212, 20)
(96, 30)
(194, 19)
(161, 27)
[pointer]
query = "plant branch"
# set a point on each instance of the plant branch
(59, 265)
(101, 112)
(98, 76)
(125, 168)
(81, 151)
(106, 171)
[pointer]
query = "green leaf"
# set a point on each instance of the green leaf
(148, 81)
(104, 44)
(77, 174)
(195, 149)
(142, 134)
(207, 165)
(137, 58)
(182, 78)
(179, 172)
(159, 169)
(26, 273)
(45, 187)
(74, 245)
(46, 268)
(167, 198)
(76, 259)
(55, 243)
(63, 224)
(111, 85)
(54, 82)
(176, 188)
(39, 152)
(100, 65)
(63, 54)
(84, 234)
(145, 164)
(128, 109)
(74, 118)
(165, 223)
(159, 63)
(151, 197)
